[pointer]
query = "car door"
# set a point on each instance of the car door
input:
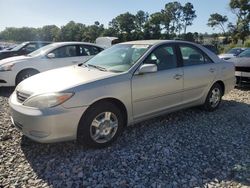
(62, 56)
(155, 92)
(199, 72)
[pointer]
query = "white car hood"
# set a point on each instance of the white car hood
(222, 56)
(61, 79)
(13, 59)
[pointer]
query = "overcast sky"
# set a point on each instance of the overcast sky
(37, 13)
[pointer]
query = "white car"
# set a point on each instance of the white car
(232, 53)
(15, 69)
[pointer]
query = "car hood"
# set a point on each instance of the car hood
(241, 61)
(4, 51)
(222, 56)
(13, 60)
(61, 79)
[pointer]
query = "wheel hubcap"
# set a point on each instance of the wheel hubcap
(26, 76)
(104, 127)
(215, 97)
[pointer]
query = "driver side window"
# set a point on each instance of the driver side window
(164, 57)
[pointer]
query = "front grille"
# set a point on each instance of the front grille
(21, 97)
(242, 69)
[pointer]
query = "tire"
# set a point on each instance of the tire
(213, 99)
(100, 125)
(24, 74)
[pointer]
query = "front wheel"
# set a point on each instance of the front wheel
(213, 99)
(25, 74)
(101, 125)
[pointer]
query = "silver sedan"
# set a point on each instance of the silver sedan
(123, 85)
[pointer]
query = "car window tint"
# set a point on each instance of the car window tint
(65, 51)
(86, 50)
(164, 57)
(192, 56)
(30, 47)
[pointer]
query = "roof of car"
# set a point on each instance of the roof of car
(74, 43)
(145, 42)
(38, 42)
(154, 42)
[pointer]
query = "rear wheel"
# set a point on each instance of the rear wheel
(24, 74)
(101, 125)
(213, 99)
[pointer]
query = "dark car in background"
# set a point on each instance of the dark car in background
(23, 49)
(242, 67)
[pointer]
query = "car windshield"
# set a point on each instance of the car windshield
(18, 47)
(235, 51)
(40, 50)
(119, 58)
(245, 53)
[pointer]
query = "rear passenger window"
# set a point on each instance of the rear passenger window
(164, 57)
(193, 56)
(85, 50)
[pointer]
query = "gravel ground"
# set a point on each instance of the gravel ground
(189, 148)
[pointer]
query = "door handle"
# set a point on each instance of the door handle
(212, 70)
(178, 76)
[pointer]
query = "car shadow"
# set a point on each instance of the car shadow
(6, 91)
(188, 148)
(243, 87)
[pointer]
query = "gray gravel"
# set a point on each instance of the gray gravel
(189, 148)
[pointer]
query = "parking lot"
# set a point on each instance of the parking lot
(189, 148)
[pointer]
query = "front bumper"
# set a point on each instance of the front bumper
(7, 79)
(242, 77)
(46, 126)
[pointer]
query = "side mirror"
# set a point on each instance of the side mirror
(51, 55)
(147, 68)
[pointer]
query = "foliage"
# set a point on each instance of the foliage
(247, 44)
(217, 20)
(240, 30)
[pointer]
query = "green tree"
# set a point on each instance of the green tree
(172, 17)
(72, 31)
(49, 33)
(141, 18)
(241, 8)
(92, 32)
(217, 20)
(188, 15)
(152, 28)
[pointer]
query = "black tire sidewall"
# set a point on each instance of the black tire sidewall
(83, 132)
(22, 74)
(207, 104)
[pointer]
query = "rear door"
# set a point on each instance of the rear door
(199, 72)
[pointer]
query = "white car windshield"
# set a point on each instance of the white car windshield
(119, 58)
(41, 50)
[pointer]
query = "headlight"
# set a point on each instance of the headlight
(48, 100)
(6, 67)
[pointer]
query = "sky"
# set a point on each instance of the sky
(37, 13)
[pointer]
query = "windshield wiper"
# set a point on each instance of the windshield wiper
(97, 67)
